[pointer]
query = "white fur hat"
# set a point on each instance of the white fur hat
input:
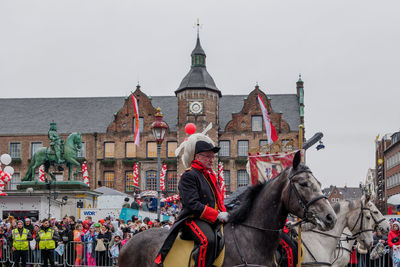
(190, 144)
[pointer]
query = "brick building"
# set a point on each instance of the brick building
(107, 127)
(336, 194)
(391, 166)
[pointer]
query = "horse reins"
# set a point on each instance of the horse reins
(348, 237)
(303, 203)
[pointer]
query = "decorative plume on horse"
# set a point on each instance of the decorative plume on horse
(59, 153)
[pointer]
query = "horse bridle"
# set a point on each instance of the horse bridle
(303, 203)
(348, 238)
(361, 216)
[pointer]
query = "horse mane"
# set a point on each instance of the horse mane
(246, 200)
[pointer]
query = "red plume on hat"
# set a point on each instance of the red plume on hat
(190, 144)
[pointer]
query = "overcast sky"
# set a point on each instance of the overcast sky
(347, 53)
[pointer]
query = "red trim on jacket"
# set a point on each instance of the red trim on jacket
(209, 214)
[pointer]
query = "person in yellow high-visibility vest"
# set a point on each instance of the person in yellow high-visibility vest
(20, 238)
(47, 239)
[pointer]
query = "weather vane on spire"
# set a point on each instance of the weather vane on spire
(198, 25)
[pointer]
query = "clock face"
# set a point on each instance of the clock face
(196, 107)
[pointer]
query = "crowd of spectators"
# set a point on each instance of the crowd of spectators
(83, 243)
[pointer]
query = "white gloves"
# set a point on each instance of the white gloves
(223, 216)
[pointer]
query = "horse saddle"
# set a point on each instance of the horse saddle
(180, 254)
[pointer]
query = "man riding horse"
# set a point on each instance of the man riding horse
(56, 143)
(202, 206)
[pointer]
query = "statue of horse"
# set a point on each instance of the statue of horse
(70, 155)
(360, 216)
(252, 233)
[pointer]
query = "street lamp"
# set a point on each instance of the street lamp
(159, 128)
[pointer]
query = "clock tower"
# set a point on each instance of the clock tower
(198, 99)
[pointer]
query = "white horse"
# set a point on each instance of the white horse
(355, 215)
(341, 256)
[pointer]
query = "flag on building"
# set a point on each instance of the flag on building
(271, 133)
(135, 175)
(221, 180)
(85, 173)
(162, 176)
(41, 173)
(264, 167)
(136, 113)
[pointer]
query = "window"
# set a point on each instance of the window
(82, 151)
(34, 147)
(129, 182)
(243, 148)
(151, 150)
(333, 200)
(264, 145)
(151, 180)
(130, 150)
(172, 181)
(242, 178)
(337, 199)
(256, 123)
(15, 150)
(140, 125)
(109, 179)
(225, 148)
(15, 180)
(227, 179)
(109, 148)
(171, 147)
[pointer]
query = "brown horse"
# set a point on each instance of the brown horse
(255, 223)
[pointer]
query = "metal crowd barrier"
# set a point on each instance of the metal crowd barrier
(3, 251)
(364, 260)
(73, 254)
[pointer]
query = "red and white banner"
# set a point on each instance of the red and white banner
(271, 133)
(41, 173)
(221, 180)
(163, 173)
(136, 175)
(264, 167)
(136, 113)
(85, 173)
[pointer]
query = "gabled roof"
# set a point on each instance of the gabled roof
(346, 192)
(286, 103)
(24, 116)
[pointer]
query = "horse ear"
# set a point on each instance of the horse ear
(367, 198)
(296, 160)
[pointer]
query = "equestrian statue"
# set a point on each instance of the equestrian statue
(59, 153)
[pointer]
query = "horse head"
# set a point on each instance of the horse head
(305, 199)
(76, 139)
(360, 222)
(380, 221)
